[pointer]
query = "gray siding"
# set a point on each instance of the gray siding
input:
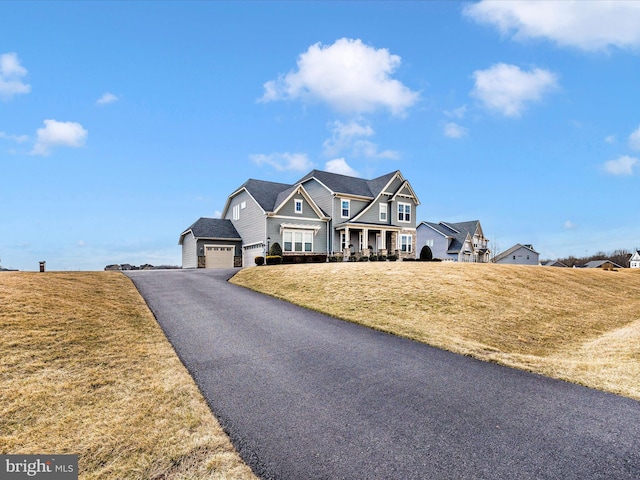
(440, 243)
(395, 185)
(320, 195)
(319, 239)
(288, 210)
(372, 214)
(250, 225)
(393, 212)
(189, 251)
(355, 208)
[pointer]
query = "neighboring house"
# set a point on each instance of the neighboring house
(210, 243)
(518, 255)
(457, 242)
(322, 213)
(634, 261)
(604, 264)
(553, 263)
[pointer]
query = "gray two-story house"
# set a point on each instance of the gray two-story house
(457, 242)
(322, 213)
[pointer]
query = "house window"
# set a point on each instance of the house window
(361, 240)
(343, 241)
(298, 241)
(236, 212)
(404, 212)
(405, 243)
(346, 204)
(383, 212)
(243, 205)
(429, 242)
(298, 206)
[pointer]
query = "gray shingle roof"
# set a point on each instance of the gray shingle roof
(218, 228)
(266, 193)
(350, 185)
(458, 231)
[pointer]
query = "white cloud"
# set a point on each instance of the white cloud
(217, 214)
(611, 139)
(453, 130)
(107, 98)
(348, 75)
(591, 26)
(14, 138)
(59, 134)
(621, 166)
(298, 162)
(507, 89)
(365, 148)
(634, 139)
(352, 137)
(569, 225)
(11, 73)
(340, 166)
(459, 112)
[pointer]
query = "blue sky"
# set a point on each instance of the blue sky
(121, 123)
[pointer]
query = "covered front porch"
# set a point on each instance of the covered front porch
(369, 239)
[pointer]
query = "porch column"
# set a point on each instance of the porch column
(365, 239)
(383, 243)
(347, 242)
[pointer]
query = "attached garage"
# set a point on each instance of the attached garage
(210, 243)
(218, 256)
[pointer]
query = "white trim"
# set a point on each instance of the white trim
(298, 226)
(348, 200)
(386, 211)
(304, 235)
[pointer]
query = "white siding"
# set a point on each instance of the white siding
(189, 253)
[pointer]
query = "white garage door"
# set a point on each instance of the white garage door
(250, 253)
(218, 256)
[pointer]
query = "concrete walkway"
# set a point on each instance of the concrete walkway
(305, 396)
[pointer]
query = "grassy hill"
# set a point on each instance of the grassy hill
(86, 370)
(579, 325)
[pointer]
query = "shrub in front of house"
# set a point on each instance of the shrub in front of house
(392, 258)
(353, 258)
(364, 258)
(408, 259)
(259, 260)
(274, 259)
(373, 257)
(275, 250)
(382, 258)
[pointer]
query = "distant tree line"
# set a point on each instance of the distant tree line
(621, 257)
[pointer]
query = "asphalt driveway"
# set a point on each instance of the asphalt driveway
(306, 396)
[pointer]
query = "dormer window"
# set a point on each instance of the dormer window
(298, 206)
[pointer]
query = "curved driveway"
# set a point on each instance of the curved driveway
(305, 396)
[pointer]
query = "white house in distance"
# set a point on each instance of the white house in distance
(634, 261)
(518, 255)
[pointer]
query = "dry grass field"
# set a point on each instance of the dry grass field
(86, 370)
(579, 325)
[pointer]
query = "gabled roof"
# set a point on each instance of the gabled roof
(457, 232)
(599, 263)
(347, 185)
(553, 263)
(512, 250)
(212, 229)
(265, 193)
